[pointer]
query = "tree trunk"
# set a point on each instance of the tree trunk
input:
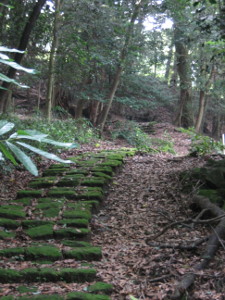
(123, 56)
(18, 56)
(202, 101)
(184, 116)
(169, 60)
(52, 60)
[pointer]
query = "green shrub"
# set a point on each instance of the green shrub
(202, 144)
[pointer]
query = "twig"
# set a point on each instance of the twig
(192, 246)
(160, 278)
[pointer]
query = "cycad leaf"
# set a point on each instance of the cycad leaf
(23, 158)
(60, 144)
(5, 49)
(7, 79)
(5, 126)
(44, 153)
(1, 156)
(7, 154)
(16, 66)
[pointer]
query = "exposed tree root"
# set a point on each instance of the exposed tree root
(211, 247)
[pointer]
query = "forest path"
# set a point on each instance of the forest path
(145, 197)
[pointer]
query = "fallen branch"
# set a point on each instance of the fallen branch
(211, 248)
(191, 246)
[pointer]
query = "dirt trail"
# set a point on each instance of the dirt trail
(144, 197)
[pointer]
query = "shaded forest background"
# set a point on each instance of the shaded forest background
(99, 57)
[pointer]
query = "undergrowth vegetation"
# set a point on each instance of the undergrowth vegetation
(136, 137)
(202, 144)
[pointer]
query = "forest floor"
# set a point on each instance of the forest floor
(144, 197)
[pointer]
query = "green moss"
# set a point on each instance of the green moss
(94, 182)
(112, 163)
(102, 175)
(10, 252)
(85, 296)
(29, 193)
(7, 298)
(25, 201)
(27, 289)
(59, 166)
(50, 253)
(51, 212)
(71, 232)
(77, 213)
(42, 275)
(212, 195)
(51, 200)
(40, 232)
(78, 275)
(12, 212)
(35, 223)
(90, 195)
(80, 223)
(84, 253)
(93, 204)
(41, 297)
(103, 169)
(9, 224)
(87, 163)
(6, 235)
(9, 276)
(54, 172)
(77, 171)
(72, 243)
(43, 182)
(100, 287)
(62, 192)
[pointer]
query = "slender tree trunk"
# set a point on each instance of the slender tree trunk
(184, 116)
(202, 101)
(123, 56)
(18, 56)
(52, 60)
(169, 60)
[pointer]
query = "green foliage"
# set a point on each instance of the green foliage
(132, 133)
(4, 59)
(10, 146)
(202, 144)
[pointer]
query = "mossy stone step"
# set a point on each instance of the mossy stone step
(6, 235)
(12, 212)
(87, 194)
(71, 233)
(29, 193)
(43, 182)
(35, 223)
(47, 275)
(111, 163)
(84, 253)
(103, 169)
(8, 223)
(40, 232)
(100, 287)
(80, 223)
(70, 296)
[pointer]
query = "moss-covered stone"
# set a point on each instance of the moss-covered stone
(102, 175)
(51, 212)
(112, 163)
(80, 223)
(27, 289)
(86, 296)
(12, 212)
(9, 276)
(69, 181)
(10, 252)
(87, 163)
(90, 195)
(54, 172)
(29, 193)
(103, 169)
(78, 275)
(72, 243)
(35, 223)
(40, 275)
(94, 182)
(40, 232)
(43, 182)
(84, 253)
(60, 166)
(77, 213)
(92, 204)
(51, 200)
(8, 223)
(81, 171)
(50, 253)
(6, 235)
(25, 201)
(212, 195)
(100, 287)
(50, 209)
(71, 233)
(61, 192)
(41, 297)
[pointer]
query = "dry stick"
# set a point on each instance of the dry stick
(211, 248)
(193, 245)
(195, 221)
